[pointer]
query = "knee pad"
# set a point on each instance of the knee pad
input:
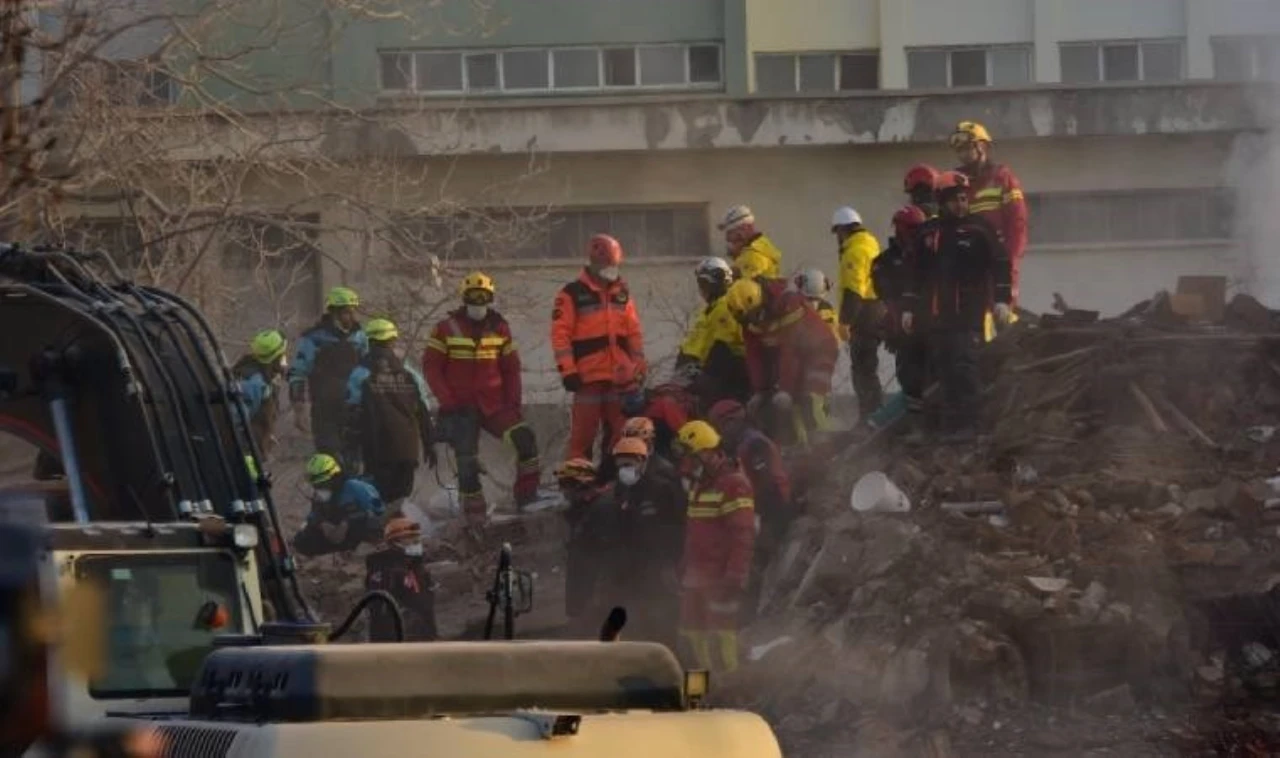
(521, 438)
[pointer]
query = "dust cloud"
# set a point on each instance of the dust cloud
(1253, 171)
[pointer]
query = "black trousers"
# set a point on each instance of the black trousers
(864, 362)
(953, 357)
(911, 363)
(394, 479)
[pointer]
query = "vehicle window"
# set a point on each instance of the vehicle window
(159, 613)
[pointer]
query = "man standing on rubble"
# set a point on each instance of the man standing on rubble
(994, 191)
(961, 270)
(720, 536)
(258, 375)
(400, 569)
(473, 368)
(327, 352)
(388, 425)
(860, 311)
(712, 351)
(752, 253)
(598, 345)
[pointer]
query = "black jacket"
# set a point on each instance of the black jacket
(960, 270)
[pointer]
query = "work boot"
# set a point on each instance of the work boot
(525, 489)
(475, 510)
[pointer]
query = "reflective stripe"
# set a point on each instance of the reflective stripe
(493, 341)
(479, 355)
(988, 192)
(700, 513)
(1013, 196)
(790, 318)
(710, 497)
(984, 207)
(736, 505)
(509, 347)
(437, 345)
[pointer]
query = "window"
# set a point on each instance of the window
(968, 67)
(571, 68)
(1154, 61)
(533, 234)
(1131, 216)
(121, 238)
(1249, 58)
(272, 270)
(816, 72)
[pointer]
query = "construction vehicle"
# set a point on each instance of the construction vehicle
(156, 495)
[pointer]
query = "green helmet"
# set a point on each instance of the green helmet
(342, 297)
(381, 330)
(322, 467)
(268, 345)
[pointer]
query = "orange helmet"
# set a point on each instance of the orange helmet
(632, 446)
(576, 470)
(920, 175)
(640, 427)
(950, 180)
(400, 528)
(604, 250)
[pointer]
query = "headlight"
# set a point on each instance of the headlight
(244, 536)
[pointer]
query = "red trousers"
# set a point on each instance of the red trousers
(594, 406)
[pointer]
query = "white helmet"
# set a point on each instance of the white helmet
(736, 217)
(714, 271)
(812, 283)
(844, 216)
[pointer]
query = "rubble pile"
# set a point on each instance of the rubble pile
(1065, 558)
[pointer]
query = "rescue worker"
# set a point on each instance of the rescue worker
(761, 460)
(258, 375)
(473, 368)
(713, 348)
(748, 248)
(860, 311)
(649, 505)
(598, 346)
(345, 510)
(815, 286)
(720, 534)
(961, 270)
(995, 193)
(326, 354)
(791, 355)
(388, 426)
(586, 496)
(889, 276)
(400, 570)
(669, 406)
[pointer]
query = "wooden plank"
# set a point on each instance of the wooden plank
(1152, 414)
(1054, 360)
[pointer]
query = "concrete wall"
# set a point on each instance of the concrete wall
(1117, 19)
(973, 22)
(813, 25)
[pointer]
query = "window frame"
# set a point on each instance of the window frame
(1254, 45)
(836, 75)
(1099, 46)
(988, 60)
(1214, 201)
(552, 88)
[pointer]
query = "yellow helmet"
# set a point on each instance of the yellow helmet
(969, 131)
(744, 296)
(381, 330)
(477, 280)
(698, 436)
(342, 297)
(322, 467)
(267, 346)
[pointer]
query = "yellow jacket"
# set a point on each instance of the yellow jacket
(714, 324)
(760, 258)
(856, 255)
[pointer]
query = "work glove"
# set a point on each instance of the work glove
(571, 382)
(782, 401)
(753, 405)
(908, 321)
(1004, 314)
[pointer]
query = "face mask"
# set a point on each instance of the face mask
(477, 312)
(628, 475)
(412, 550)
(609, 273)
(322, 495)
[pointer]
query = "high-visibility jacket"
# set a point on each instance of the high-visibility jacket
(720, 529)
(996, 195)
(596, 334)
(793, 349)
(473, 364)
(857, 255)
(714, 343)
(760, 258)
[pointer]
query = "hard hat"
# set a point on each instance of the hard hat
(907, 218)
(342, 297)
(322, 467)
(845, 216)
(726, 410)
(919, 175)
(476, 280)
(812, 283)
(267, 346)
(969, 131)
(698, 436)
(603, 250)
(744, 296)
(713, 271)
(631, 446)
(640, 427)
(951, 180)
(381, 330)
(400, 528)
(576, 470)
(738, 215)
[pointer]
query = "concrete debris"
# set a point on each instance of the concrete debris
(1048, 584)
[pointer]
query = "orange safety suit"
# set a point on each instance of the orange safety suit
(719, 543)
(793, 350)
(599, 348)
(996, 195)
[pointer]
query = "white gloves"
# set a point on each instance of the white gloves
(1003, 313)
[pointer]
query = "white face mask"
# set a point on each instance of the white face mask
(609, 273)
(628, 475)
(322, 495)
(412, 550)
(477, 312)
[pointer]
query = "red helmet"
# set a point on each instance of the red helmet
(906, 220)
(920, 175)
(726, 410)
(949, 180)
(604, 250)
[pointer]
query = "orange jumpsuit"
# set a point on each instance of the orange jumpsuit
(996, 194)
